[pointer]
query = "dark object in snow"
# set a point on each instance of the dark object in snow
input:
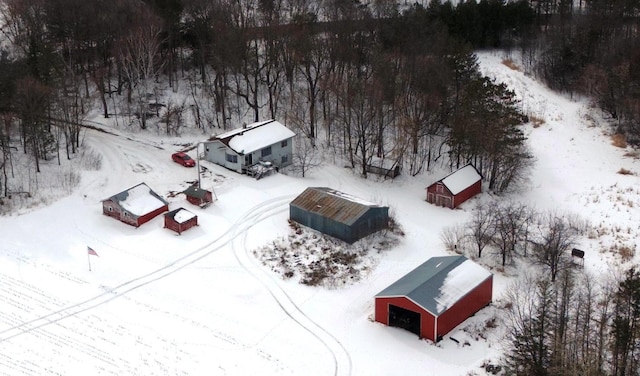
(578, 254)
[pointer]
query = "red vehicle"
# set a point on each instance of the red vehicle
(183, 158)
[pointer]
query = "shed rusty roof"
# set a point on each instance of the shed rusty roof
(332, 204)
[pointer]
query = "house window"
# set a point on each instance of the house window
(439, 188)
(283, 144)
(231, 158)
(284, 159)
(266, 151)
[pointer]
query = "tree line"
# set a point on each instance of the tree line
(559, 319)
(347, 76)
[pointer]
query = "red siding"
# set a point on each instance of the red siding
(149, 216)
(446, 199)
(197, 201)
(466, 307)
(180, 227)
(467, 193)
(111, 209)
(426, 319)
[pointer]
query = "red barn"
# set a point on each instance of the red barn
(135, 206)
(435, 297)
(455, 188)
(180, 220)
(198, 196)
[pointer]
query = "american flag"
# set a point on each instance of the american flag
(91, 251)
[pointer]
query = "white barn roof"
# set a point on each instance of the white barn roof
(461, 179)
(255, 136)
(139, 200)
(181, 215)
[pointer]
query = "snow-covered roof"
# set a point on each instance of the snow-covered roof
(338, 206)
(255, 136)
(181, 215)
(461, 179)
(139, 200)
(438, 283)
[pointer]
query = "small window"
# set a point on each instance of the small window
(283, 144)
(266, 151)
(284, 159)
(231, 158)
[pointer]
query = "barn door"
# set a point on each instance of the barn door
(403, 318)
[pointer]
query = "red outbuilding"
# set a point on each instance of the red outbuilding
(135, 206)
(455, 188)
(198, 196)
(434, 298)
(180, 220)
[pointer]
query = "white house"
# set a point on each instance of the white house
(267, 141)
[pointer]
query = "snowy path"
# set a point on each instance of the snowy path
(340, 355)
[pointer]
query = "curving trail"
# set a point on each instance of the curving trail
(238, 228)
(341, 358)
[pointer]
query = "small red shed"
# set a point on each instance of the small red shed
(198, 196)
(434, 298)
(455, 188)
(180, 220)
(135, 206)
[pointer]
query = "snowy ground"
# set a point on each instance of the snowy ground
(156, 303)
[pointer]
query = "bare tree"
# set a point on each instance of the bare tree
(138, 54)
(482, 227)
(557, 237)
(510, 220)
(306, 156)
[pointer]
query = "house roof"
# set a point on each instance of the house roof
(139, 200)
(438, 283)
(461, 179)
(180, 215)
(255, 136)
(194, 191)
(332, 204)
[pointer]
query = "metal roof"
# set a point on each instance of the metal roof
(332, 204)
(438, 283)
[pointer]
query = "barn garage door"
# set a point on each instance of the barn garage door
(405, 319)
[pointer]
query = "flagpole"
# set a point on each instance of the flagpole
(89, 260)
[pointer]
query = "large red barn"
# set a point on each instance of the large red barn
(434, 298)
(455, 188)
(180, 220)
(135, 206)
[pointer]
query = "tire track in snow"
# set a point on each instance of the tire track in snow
(341, 358)
(239, 227)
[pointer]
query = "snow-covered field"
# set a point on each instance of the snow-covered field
(158, 303)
